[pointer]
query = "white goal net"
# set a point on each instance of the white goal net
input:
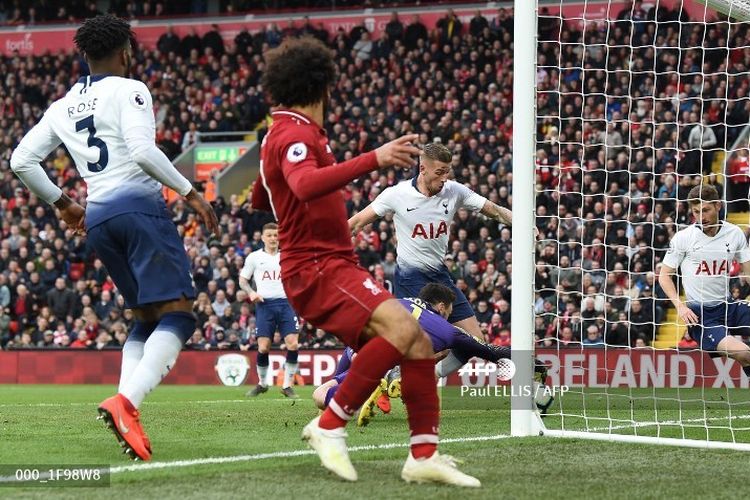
(636, 103)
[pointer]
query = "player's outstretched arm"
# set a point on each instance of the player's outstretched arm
(361, 219)
(40, 141)
(683, 311)
(500, 214)
(308, 180)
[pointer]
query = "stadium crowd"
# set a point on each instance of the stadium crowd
(618, 134)
(18, 12)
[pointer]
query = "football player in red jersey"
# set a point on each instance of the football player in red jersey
(301, 182)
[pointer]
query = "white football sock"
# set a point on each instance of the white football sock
(290, 370)
(262, 375)
(132, 352)
(448, 365)
(159, 356)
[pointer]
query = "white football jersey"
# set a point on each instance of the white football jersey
(422, 222)
(265, 269)
(705, 261)
(91, 121)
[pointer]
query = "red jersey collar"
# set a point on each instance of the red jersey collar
(288, 114)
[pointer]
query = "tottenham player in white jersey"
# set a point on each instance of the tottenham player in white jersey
(106, 122)
(272, 309)
(423, 209)
(704, 253)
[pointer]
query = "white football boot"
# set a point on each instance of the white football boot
(330, 445)
(436, 469)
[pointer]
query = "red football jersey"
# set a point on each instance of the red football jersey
(300, 182)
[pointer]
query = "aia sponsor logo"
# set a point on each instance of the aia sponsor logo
(430, 231)
(712, 268)
(271, 275)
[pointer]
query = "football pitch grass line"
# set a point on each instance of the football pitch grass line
(386, 446)
(283, 454)
(149, 403)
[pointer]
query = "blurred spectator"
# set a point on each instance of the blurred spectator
(593, 337)
(82, 341)
(478, 24)
(212, 40)
(363, 47)
(449, 26)
(168, 42)
(739, 180)
(395, 28)
(62, 300)
(415, 32)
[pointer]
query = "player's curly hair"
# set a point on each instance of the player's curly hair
(435, 293)
(101, 36)
(299, 72)
(437, 151)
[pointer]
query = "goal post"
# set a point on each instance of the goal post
(649, 104)
(524, 421)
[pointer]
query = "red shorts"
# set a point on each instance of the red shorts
(335, 295)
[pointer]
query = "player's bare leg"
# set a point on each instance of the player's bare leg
(291, 365)
(737, 350)
(320, 392)
(261, 364)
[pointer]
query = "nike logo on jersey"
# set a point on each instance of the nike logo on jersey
(411, 209)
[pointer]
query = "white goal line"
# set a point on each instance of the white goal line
(149, 403)
(386, 446)
(285, 454)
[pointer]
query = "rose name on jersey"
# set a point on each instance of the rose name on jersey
(430, 231)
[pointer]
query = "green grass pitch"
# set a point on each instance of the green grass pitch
(212, 442)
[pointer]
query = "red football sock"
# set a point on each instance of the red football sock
(368, 367)
(419, 393)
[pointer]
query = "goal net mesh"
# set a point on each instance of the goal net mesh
(636, 104)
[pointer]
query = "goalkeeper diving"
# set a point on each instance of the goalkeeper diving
(431, 309)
